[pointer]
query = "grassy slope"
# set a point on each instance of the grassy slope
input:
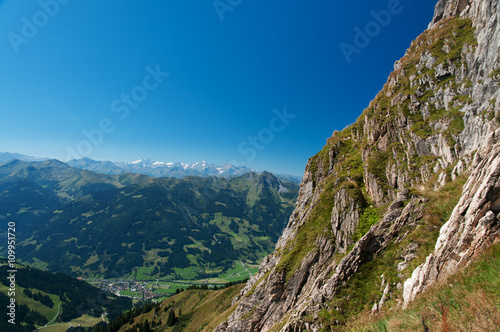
(467, 301)
(364, 287)
(201, 310)
(21, 298)
(83, 321)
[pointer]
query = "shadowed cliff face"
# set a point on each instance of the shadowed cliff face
(368, 190)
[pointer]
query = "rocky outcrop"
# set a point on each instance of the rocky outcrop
(345, 218)
(473, 226)
(439, 106)
(268, 296)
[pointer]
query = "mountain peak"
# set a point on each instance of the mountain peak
(7, 156)
(54, 163)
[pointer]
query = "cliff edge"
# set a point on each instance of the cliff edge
(400, 199)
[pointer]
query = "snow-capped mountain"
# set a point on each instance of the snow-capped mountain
(179, 170)
(160, 169)
(153, 168)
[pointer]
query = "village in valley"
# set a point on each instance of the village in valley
(159, 289)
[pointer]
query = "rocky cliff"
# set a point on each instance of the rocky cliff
(372, 202)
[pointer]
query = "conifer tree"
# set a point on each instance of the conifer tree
(171, 319)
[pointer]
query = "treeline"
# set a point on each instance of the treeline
(214, 287)
(146, 326)
(43, 299)
(128, 318)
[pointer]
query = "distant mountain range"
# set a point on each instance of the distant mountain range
(112, 225)
(7, 156)
(154, 168)
(161, 169)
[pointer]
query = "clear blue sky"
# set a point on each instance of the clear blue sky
(79, 66)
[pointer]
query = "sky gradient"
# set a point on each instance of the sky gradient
(257, 83)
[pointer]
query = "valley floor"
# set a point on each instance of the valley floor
(143, 287)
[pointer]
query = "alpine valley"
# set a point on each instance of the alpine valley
(113, 225)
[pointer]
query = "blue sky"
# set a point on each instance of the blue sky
(258, 83)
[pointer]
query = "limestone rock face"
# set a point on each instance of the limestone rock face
(435, 119)
(473, 225)
(345, 217)
(474, 222)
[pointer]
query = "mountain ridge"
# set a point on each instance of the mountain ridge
(153, 168)
(373, 200)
